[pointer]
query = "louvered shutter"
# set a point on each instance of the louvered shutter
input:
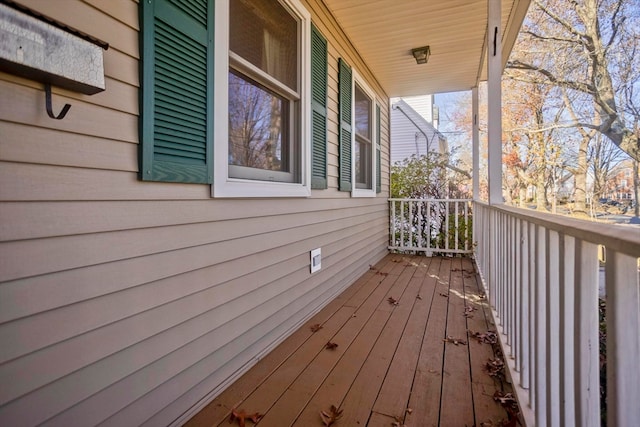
(378, 140)
(344, 118)
(318, 110)
(177, 91)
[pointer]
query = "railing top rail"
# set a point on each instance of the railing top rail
(615, 237)
(429, 200)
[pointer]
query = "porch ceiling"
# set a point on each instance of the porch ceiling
(385, 31)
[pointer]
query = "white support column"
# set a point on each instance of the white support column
(476, 143)
(494, 102)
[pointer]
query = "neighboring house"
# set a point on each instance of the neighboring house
(155, 242)
(412, 134)
(620, 185)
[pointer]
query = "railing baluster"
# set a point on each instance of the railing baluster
(428, 224)
(517, 291)
(410, 222)
(567, 331)
(523, 283)
(446, 225)
(623, 348)
(587, 323)
(540, 348)
(533, 319)
(552, 288)
(402, 225)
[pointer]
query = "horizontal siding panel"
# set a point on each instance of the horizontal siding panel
(267, 301)
(124, 11)
(38, 182)
(34, 257)
(30, 220)
(28, 144)
(122, 67)
(27, 106)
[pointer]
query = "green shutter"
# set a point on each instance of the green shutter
(318, 109)
(344, 118)
(378, 140)
(176, 128)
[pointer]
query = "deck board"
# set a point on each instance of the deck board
(391, 363)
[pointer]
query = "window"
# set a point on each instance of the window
(359, 135)
(262, 146)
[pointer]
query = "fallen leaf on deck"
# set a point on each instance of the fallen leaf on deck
(409, 410)
(489, 337)
(330, 345)
(241, 416)
(510, 404)
(371, 267)
(495, 367)
(316, 327)
(397, 422)
(456, 341)
(330, 417)
(442, 294)
(396, 260)
(393, 301)
(418, 296)
(382, 274)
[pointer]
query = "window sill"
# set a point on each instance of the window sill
(360, 192)
(237, 188)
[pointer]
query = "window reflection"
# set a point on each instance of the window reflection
(256, 117)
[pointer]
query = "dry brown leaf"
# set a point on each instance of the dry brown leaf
(371, 267)
(495, 367)
(456, 341)
(409, 411)
(443, 294)
(331, 345)
(382, 273)
(393, 301)
(418, 296)
(331, 416)
(510, 404)
(316, 327)
(489, 337)
(241, 416)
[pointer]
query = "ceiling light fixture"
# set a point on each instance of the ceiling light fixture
(421, 54)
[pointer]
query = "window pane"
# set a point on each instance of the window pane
(363, 163)
(266, 35)
(363, 114)
(256, 119)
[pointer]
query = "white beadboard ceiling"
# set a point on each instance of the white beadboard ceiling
(384, 32)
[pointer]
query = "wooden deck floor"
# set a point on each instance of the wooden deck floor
(393, 363)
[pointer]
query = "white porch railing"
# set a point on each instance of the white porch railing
(541, 273)
(433, 226)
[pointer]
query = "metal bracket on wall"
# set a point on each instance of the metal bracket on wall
(65, 109)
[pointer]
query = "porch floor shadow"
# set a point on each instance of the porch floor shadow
(404, 356)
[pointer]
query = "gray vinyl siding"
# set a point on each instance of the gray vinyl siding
(125, 302)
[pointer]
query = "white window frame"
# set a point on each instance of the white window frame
(223, 185)
(363, 192)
